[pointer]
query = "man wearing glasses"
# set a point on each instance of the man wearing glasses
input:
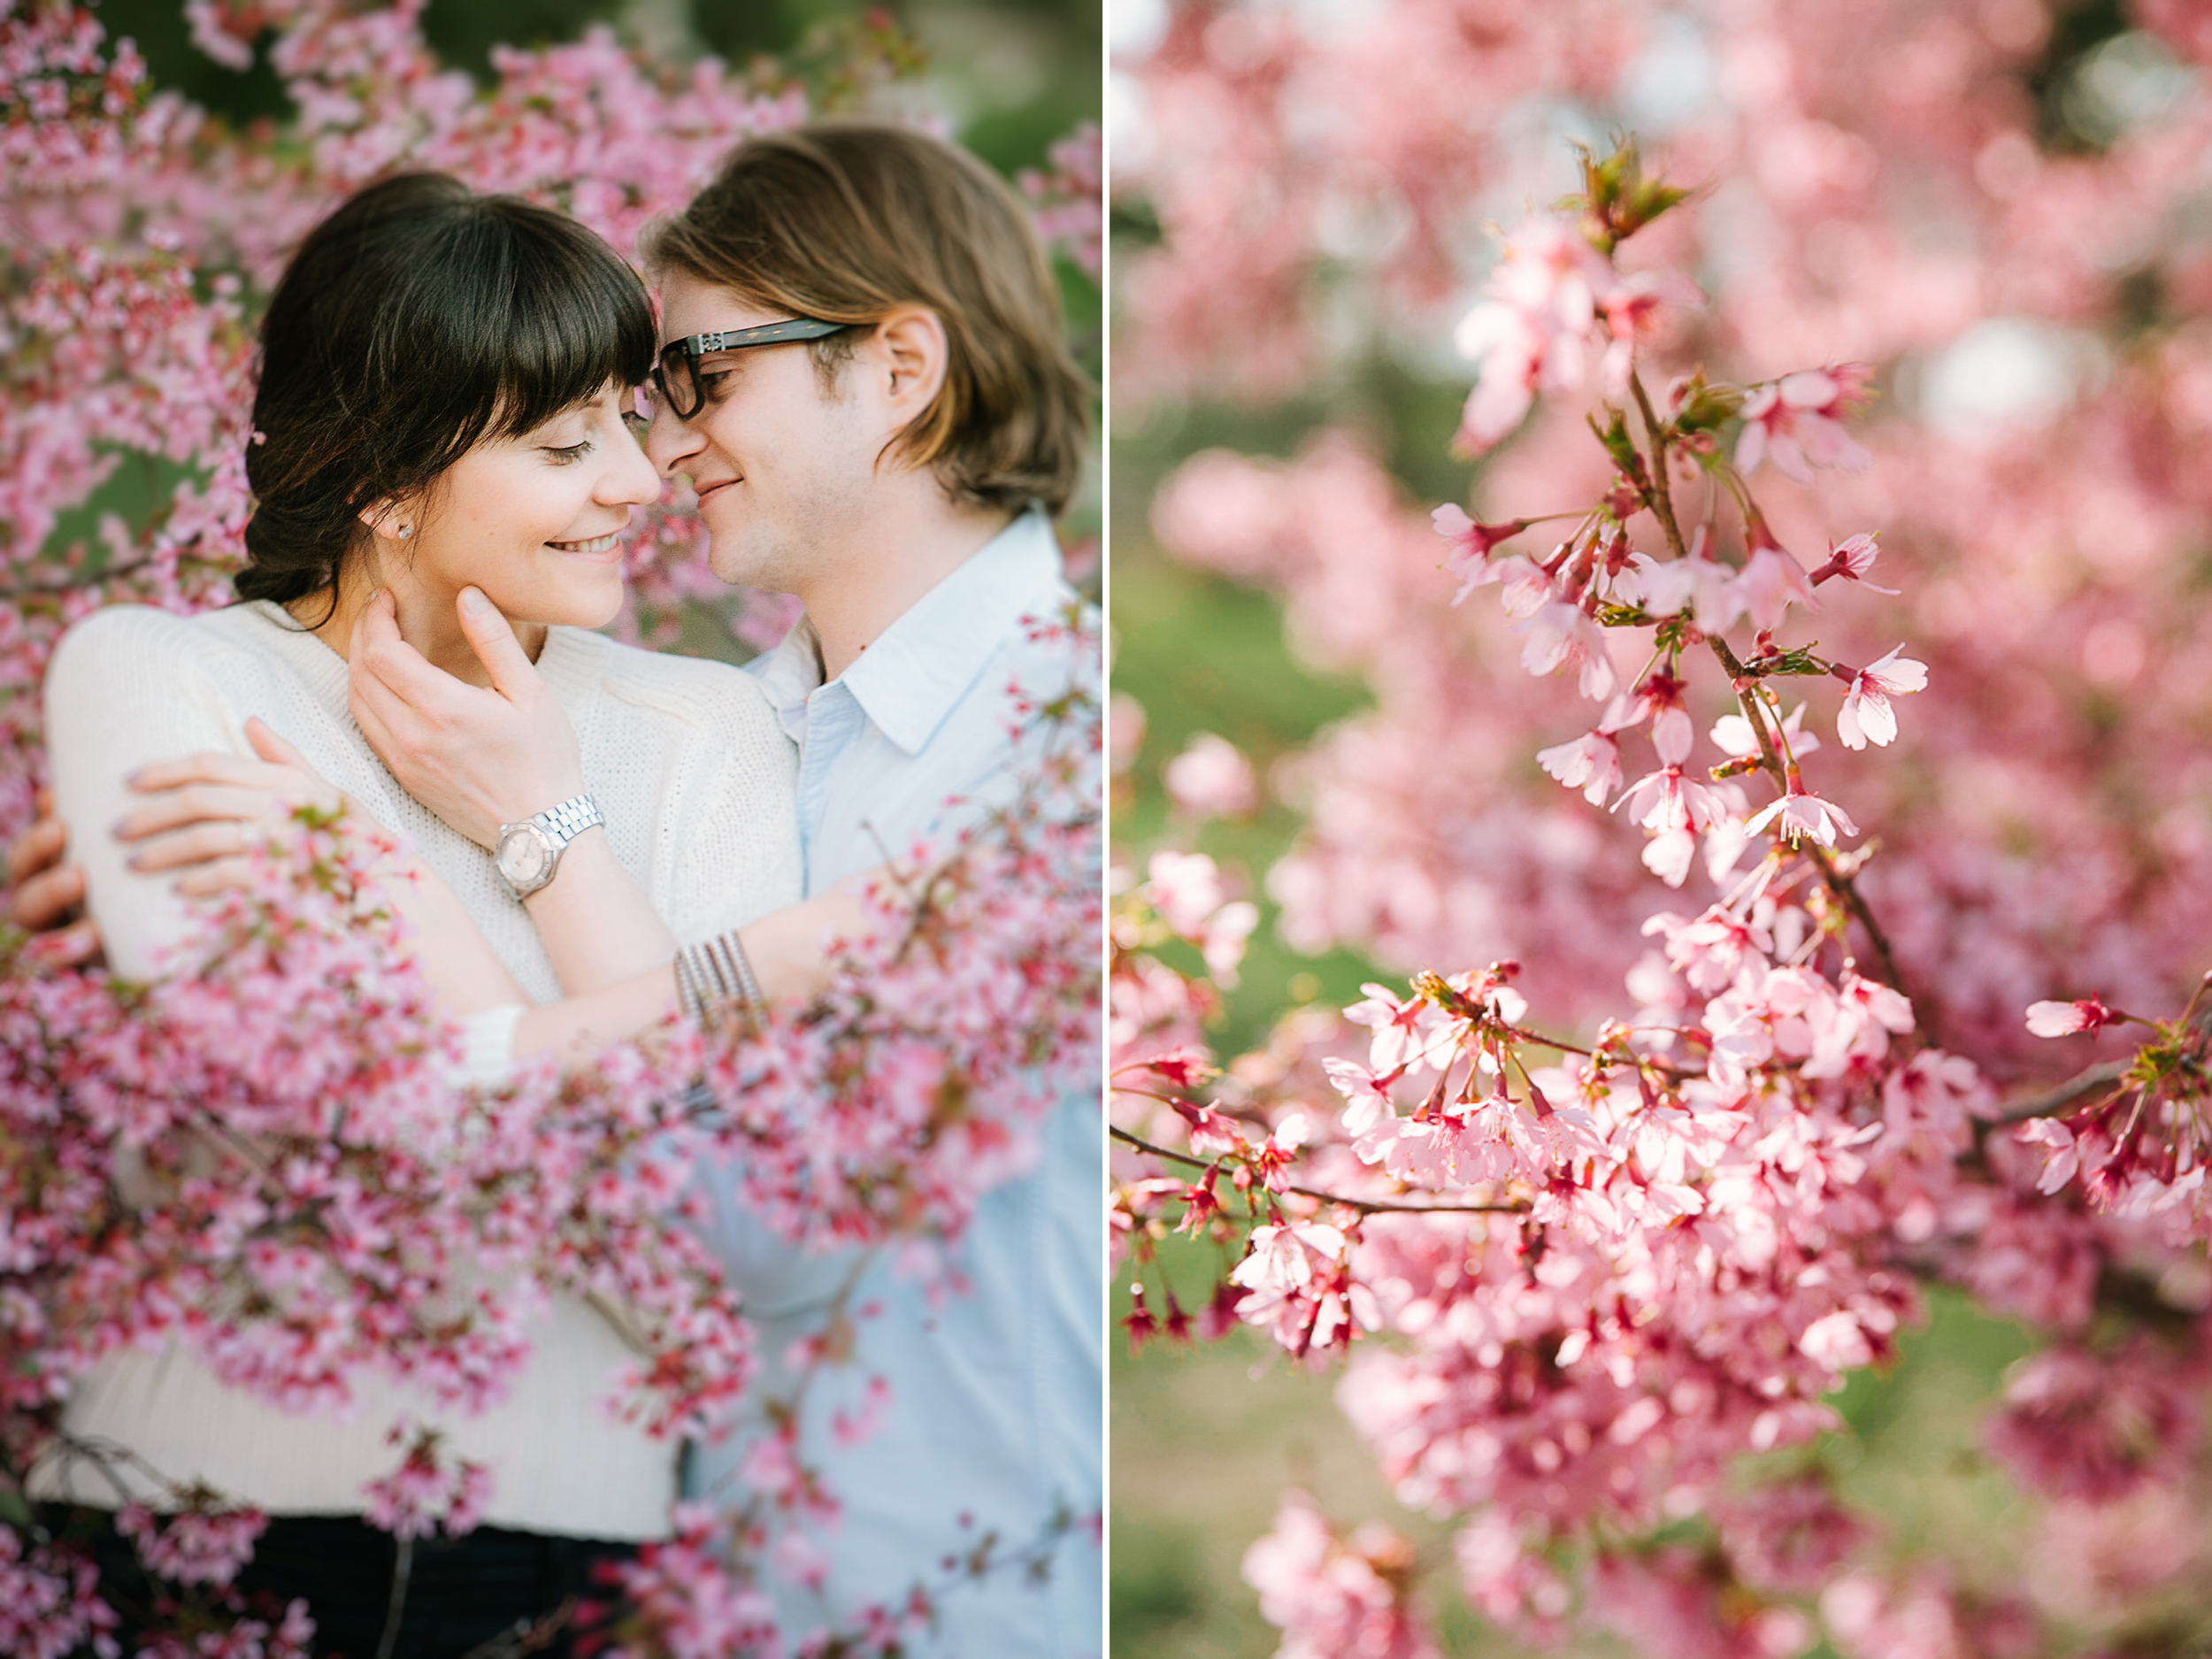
(866, 380)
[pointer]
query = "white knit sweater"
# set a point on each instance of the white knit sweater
(696, 782)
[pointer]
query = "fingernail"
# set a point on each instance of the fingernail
(473, 601)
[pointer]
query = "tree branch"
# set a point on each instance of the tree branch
(1373, 1206)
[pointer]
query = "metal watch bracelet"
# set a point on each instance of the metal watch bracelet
(528, 855)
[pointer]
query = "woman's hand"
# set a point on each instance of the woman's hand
(209, 810)
(479, 757)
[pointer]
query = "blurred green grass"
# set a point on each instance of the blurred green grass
(1200, 654)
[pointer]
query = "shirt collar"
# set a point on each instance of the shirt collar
(910, 676)
(790, 675)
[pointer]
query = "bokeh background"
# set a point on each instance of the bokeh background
(1009, 77)
(2002, 205)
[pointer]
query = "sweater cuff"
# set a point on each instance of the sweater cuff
(488, 1048)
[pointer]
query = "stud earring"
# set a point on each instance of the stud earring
(406, 531)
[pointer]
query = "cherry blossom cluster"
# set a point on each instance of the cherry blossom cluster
(1320, 199)
(918, 1079)
(73, 113)
(49, 1601)
(313, 1202)
(306, 1206)
(1331, 1594)
(1577, 1262)
(1071, 205)
(2136, 1140)
(356, 1241)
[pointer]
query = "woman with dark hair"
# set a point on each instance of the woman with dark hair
(440, 420)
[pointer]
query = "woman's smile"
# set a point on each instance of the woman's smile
(598, 547)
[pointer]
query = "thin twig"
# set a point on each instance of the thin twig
(1373, 1205)
(1662, 494)
(1846, 890)
(403, 1568)
(2102, 1075)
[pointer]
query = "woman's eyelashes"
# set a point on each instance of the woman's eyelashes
(567, 453)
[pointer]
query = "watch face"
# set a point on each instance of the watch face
(523, 857)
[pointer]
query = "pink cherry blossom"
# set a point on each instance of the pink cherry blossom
(1772, 581)
(1797, 423)
(1295, 1284)
(49, 1603)
(1591, 763)
(2081, 1425)
(1732, 735)
(1800, 814)
(1561, 635)
(1698, 586)
(1071, 205)
(1658, 699)
(196, 1546)
(1670, 799)
(1212, 778)
(1469, 558)
(2064, 1019)
(1851, 559)
(1185, 888)
(1866, 716)
(1534, 328)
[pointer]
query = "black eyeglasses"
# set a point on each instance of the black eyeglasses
(676, 376)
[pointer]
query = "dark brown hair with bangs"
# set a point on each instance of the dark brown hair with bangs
(848, 221)
(417, 320)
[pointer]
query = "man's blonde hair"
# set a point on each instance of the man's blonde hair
(850, 221)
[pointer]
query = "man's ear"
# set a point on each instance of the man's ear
(911, 357)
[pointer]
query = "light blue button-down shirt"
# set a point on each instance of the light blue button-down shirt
(997, 1415)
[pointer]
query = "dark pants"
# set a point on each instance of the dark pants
(462, 1593)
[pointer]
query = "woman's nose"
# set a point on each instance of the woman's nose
(633, 477)
(670, 442)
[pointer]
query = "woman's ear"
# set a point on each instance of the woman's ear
(912, 357)
(390, 520)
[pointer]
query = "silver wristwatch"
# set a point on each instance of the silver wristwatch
(530, 852)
